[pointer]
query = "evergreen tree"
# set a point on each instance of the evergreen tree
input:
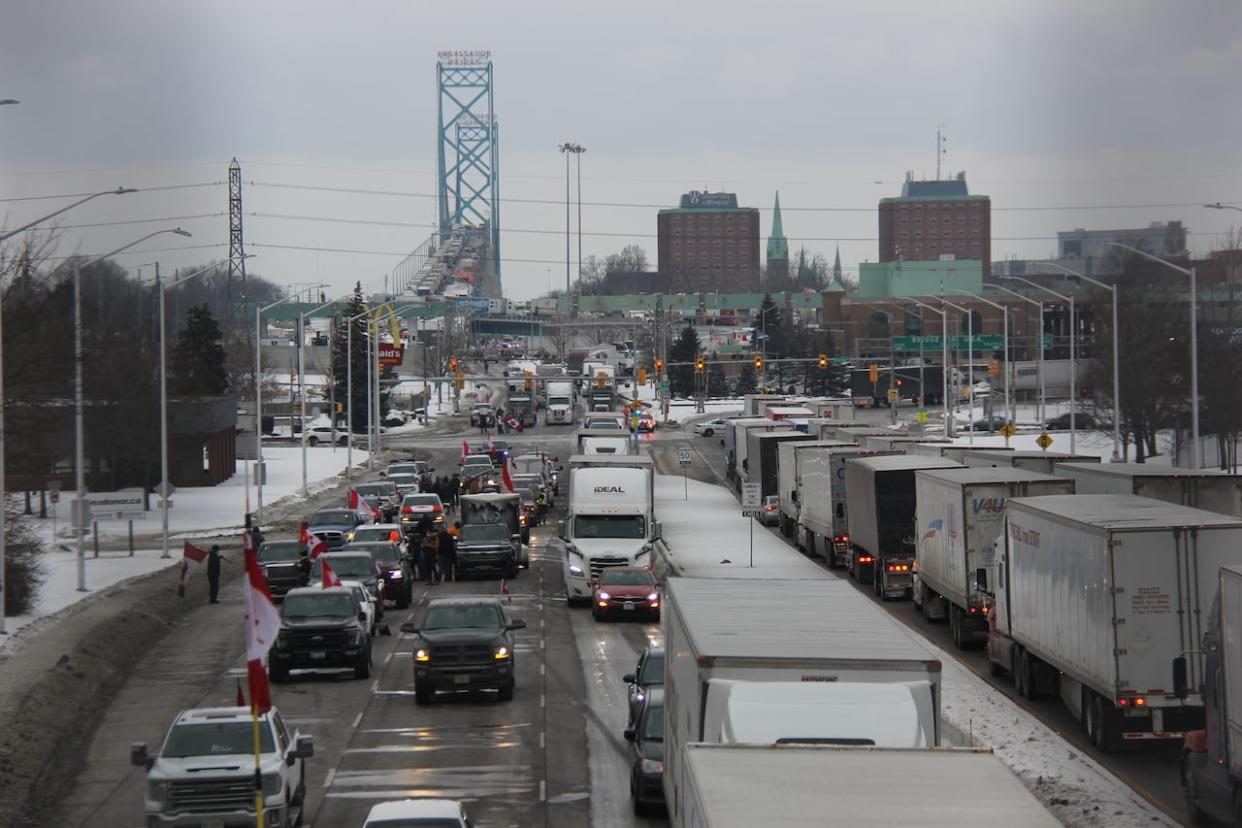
(717, 385)
(358, 344)
(746, 383)
(197, 368)
(684, 349)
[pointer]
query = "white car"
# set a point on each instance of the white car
(411, 813)
(366, 600)
(709, 427)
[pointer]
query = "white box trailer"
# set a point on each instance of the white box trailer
(1214, 491)
(754, 404)
(859, 432)
(961, 513)
(789, 476)
(950, 451)
(775, 630)
(1096, 595)
(823, 520)
(741, 431)
(898, 442)
(780, 786)
(1040, 461)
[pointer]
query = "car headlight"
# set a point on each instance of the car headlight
(349, 536)
(575, 570)
(422, 654)
(604, 596)
(654, 596)
(272, 784)
(502, 651)
(157, 791)
(650, 766)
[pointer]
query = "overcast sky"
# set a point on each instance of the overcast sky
(1128, 106)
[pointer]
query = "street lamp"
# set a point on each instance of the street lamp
(1073, 352)
(1005, 320)
(970, 363)
(3, 433)
(78, 411)
(260, 471)
(944, 362)
(1040, 354)
(1194, 345)
(567, 148)
(1116, 357)
(302, 382)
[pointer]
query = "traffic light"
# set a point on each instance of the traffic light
(453, 365)
(659, 367)
(600, 379)
(899, 383)
(758, 364)
(530, 382)
(823, 361)
(873, 371)
(699, 364)
(993, 368)
(642, 376)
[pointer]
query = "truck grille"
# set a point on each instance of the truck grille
(322, 640)
(211, 795)
(462, 654)
(598, 565)
(332, 538)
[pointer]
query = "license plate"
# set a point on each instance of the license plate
(317, 656)
(627, 607)
(461, 679)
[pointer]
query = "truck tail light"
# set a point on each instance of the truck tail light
(841, 538)
(899, 567)
(865, 559)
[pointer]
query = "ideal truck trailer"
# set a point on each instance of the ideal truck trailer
(961, 513)
(1096, 595)
(781, 786)
(880, 507)
(823, 524)
(761, 461)
(774, 630)
(791, 462)
(610, 522)
(1211, 490)
(1039, 461)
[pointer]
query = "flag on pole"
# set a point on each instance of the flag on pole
(506, 477)
(304, 534)
(504, 590)
(262, 625)
(514, 423)
(316, 546)
(465, 449)
(190, 554)
(359, 505)
(241, 697)
(329, 577)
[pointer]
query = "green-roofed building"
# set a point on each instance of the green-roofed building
(778, 246)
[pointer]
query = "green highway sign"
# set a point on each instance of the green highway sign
(982, 342)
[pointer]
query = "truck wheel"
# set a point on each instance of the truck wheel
(422, 695)
(363, 668)
(1027, 667)
(1197, 815)
(956, 617)
(277, 672)
(506, 692)
(707, 432)
(312, 441)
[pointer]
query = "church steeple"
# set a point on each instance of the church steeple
(778, 246)
(836, 268)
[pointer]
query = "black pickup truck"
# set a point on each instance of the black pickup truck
(463, 643)
(279, 560)
(320, 629)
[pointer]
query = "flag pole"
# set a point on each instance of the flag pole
(258, 773)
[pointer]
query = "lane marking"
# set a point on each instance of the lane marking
(375, 686)
(543, 745)
(327, 782)
(357, 721)
(387, 658)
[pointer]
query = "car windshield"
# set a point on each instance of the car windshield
(348, 566)
(631, 578)
(376, 490)
(280, 551)
(631, 527)
(318, 605)
(383, 552)
(653, 723)
(475, 470)
(484, 532)
(478, 460)
(653, 670)
(401, 468)
(605, 425)
(526, 494)
(332, 517)
(450, 617)
(360, 593)
(215, 739)
(376, 533)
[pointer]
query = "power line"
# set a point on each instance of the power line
(136, 189)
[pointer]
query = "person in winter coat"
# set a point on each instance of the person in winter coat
(430, 547)
(447, 556)
(213, 573)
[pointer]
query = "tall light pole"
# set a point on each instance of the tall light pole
(1194, 345)
(1073, 352)
(578, 154)
(1116, 356)
(3, 432)
(970, 362)
(260, 470)
(302, 381)
(1040, 353)
(78, 407)
(165, 486)
(1005, 320)
(566, 149)
(944, 361)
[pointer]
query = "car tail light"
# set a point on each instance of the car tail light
(437, 508)
(407, 510)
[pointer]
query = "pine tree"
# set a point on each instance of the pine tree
(717, 384)
(197, 368)
(684, 350)
(358, 344)
(746, 383)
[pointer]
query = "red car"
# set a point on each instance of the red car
(626, 592)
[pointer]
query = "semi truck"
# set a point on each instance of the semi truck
(1211, 490)
(521, 407)
(960, 515)
(782, 786)
(791, 461)
(773, 630)
(948, 450)
(1095, 595)
(880, 508)
(610, 521)
(735, 444)
(1039, 461)
(559, 401)
(823, 522)
(761, 456)
(1212, 757)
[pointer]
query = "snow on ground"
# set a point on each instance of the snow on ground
(195, 512)
(1078, 790)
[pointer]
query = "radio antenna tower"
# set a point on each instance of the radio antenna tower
(940, 150)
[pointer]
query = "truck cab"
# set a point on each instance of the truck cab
(610, 522)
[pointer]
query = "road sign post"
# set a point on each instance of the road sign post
(1007, 431)
(683, 460)
(1044, 440)
(752, 502)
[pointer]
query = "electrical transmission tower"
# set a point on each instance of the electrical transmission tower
(237, 257)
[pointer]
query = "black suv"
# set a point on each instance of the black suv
(395, 569)
(279, 560)
(320, 629)
(488, 546)
(353, 565)
(463, 643)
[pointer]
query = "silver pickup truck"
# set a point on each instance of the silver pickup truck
(204, 773)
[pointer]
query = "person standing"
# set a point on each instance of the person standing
(430, 549)
(213, 573)
(447, 555)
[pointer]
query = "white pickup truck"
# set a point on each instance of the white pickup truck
(204, 772)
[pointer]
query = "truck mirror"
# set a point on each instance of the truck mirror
(1179, 677)
(560, 529)
(628, 678)
(981, 579)
(305, 747)
(629, 734)
(517, 624)
(515, 538)
(362, 616)
(408, 627)
(138, 756)
(657, 530)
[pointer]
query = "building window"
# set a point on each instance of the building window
(913, 324)
(973, 323)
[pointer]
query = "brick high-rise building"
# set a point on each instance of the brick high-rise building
(936, 218)
(708, 243)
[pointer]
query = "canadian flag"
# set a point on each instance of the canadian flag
(315, 545)
(262, 626)
(504, 590)
(514, 423)
(191, 554)
(465, 449)
(360, 506)
(504, 475)
(329, 577)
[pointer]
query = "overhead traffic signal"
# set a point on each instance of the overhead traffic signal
(530, 382)
(823, 361)
(659, 367)
(699, 364)
(873, 371)
(758, 364)
(453, 365)
(642, 376)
